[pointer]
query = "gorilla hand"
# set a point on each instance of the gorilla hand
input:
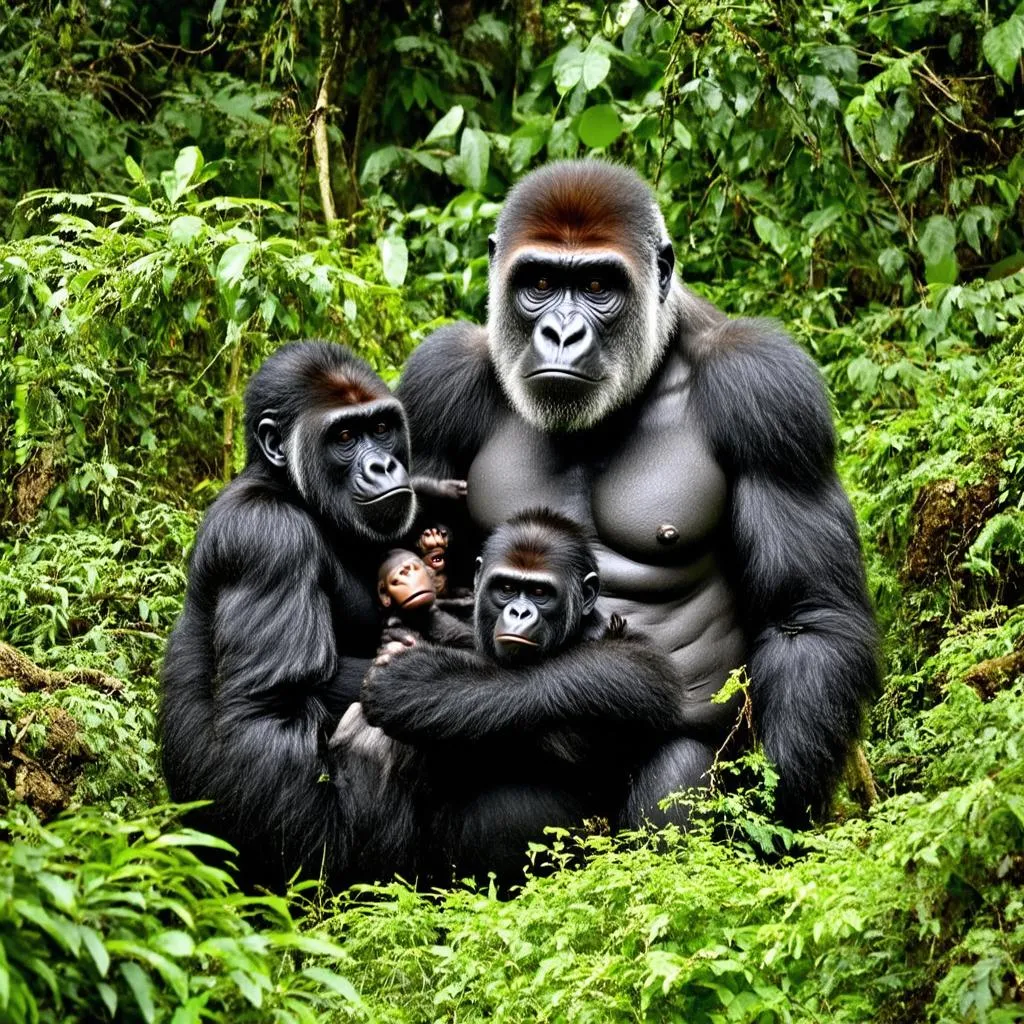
(431, 487)
(397, 632)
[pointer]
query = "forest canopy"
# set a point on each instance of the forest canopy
(185, 186)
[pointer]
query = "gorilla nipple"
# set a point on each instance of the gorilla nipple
(667, 534)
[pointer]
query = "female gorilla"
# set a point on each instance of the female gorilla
(280, 622)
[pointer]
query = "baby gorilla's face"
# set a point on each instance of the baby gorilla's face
(408, 584)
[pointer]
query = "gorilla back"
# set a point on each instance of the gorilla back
(280, 620)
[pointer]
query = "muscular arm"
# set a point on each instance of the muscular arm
(797, 564)
(433, 694)
(252, 680)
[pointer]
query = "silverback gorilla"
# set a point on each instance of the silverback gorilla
(697, 449)
(280, 622)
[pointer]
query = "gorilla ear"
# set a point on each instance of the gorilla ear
(666, 264)
(591, 589)
(269, 437)
(492, 244)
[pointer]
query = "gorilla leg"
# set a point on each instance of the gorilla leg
(491, 830)
(681, 763)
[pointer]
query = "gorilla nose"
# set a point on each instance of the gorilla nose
(379, 474)
(562, 339)
(521, 612)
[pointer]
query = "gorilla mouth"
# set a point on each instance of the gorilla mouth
(387, 495)
(557, 370)
(514, 638)
(419, 599)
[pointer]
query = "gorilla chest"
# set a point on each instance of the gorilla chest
(652, 492)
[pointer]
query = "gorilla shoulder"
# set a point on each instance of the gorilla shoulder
(450, 393)
(252, 530)
(762, 399)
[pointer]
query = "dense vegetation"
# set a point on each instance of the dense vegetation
(183, 186)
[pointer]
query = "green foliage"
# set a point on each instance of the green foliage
(103, 918)
(853, 168)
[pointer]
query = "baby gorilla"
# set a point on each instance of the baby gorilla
(472, 805)
(407, 588)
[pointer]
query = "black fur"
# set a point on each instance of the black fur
(486, 787)
(796, 557)
(279, 627)
(786, 540)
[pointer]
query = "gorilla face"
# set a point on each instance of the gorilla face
(536, 583)
(349, 465)
(580, 273)
(578, 338)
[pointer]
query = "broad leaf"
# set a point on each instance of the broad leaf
(447, 126)
(475, 153)
(1003, 46)
(394, 258)
(599, 126)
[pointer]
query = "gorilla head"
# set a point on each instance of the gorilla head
(582, 302)
(536, 587)
(320, 420)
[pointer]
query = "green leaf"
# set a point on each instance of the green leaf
(335, 982)
(233, 263)
(394, 258)
(218, 12)
(475, 154)
(568, 69)
(93, 942)
(596, 66)
(772, 233)
(184, 230)
(173, 943)
(142, 989)
(134, 171)
(599, 126)
(378, 164)
(248, 987)
(892, 261)
(863, 373)
(525, 143)
(1002, 46)
(447, 126)
(938, 239)
(188, 165)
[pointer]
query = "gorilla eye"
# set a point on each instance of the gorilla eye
(381, 428)
(345, 436)
(595, 287)
(542, 285)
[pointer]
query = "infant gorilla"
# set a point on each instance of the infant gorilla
(472, 805)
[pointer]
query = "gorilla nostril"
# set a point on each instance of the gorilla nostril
(578, 333)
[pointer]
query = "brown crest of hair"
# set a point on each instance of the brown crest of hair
(581, 204)
(528, 559)
(337, 389)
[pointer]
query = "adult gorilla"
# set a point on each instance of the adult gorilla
(697, 449)
(280, 620)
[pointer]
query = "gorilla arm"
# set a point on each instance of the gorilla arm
(433, 694)
(252, 680)
(797, 564)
